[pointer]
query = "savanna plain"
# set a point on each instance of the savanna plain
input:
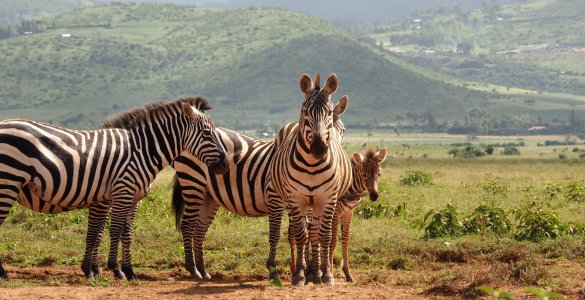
(452, 222)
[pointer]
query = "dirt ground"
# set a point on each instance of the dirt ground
(67, 283)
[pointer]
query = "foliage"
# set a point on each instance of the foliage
(415, 178)
(368, 209)
(575, 191)
(495, 294)
(542, 295)
(487, 218)
(537, 222)
(467, 152)
(442, 223)
(511, 151)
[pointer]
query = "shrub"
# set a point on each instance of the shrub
(536, 223)
(493, 188)
(562, 156)
(553, 191)
(467, 152)
(416, 177)
(440, 223)
(575, 191)
(511, 151)
(489, 150)
(489, 218)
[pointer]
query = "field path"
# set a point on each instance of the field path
(57, 282)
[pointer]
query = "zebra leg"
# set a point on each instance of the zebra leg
(326, 212)
(275, 208)
(187, 228)
(299, 223)
(98, 215)
(120, 211)
(334, 237)
(345, 224)
(315, 262)
(292, 244)
(8, 195)
(206, 215)
(126, 243)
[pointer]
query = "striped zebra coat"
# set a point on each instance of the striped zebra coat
(197, 194)
(52, 169)
(309, 172)
(366, 170)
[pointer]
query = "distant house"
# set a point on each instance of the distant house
(537, 128)
(66, 35)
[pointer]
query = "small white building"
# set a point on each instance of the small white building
(66, 35)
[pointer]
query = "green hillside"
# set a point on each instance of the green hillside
(246, 61)
(13, 11)
(535, 44)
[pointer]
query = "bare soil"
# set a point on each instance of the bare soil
(59, 282)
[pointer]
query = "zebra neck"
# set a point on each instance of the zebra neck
(358, 185)
(155, 146)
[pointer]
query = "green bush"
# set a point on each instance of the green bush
(511, 151)
(485, 218)
(467, 152)
(536, 222)
(441, 223)
(416, 177)
(575, 191)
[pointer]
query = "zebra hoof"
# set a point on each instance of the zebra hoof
(87, 271)
(95, 269)
(207, 276)
(274, 276)
(196, 275)
(299, 279)
(4, 276)
(310, 277)
(348, 278)
(119, 275)
(328, 279)
(129, 273)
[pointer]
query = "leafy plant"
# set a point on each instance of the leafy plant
(495, 294)
(440, 223)
(553, 191)
(511, 151)
(416, 177)
(536, 223)
(542, 295)
(489, 218)
(575, 191)
(467, 152)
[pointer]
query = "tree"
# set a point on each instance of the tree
(465, 48)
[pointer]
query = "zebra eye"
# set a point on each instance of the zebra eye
(207, 131)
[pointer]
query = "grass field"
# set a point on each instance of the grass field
(388, 246)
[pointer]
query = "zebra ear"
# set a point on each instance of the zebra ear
(331, 84)
(357, 158)
(341, 105)
(190, 111)
(306, 84)
(381, 155)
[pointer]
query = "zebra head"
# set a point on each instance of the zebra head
(316, 120)
(369, 167)
(200, 137)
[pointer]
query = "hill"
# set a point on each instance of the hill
(93, 62)
(535, 44)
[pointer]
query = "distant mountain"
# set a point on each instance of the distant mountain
(94, 62)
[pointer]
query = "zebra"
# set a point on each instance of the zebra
(197, 194)
(52, 169)
(309, 170)
(366, 170)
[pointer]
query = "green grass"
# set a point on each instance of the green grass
(389, 249)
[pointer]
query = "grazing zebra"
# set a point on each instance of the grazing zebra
(309, 171)
(52, 169)
(197, 194)
(366, 172)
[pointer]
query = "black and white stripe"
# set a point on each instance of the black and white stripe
(51, 169)
(310, 171)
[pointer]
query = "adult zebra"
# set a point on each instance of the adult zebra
(52, 169)
(366, 170)
(309, 172)
(197, 194)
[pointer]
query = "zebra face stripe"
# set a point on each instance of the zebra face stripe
(202, 140)
(316, 123)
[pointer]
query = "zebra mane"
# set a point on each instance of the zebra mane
(129, 119)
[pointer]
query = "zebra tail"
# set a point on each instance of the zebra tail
(178, 203)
